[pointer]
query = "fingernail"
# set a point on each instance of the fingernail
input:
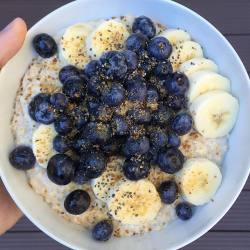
(10, 25)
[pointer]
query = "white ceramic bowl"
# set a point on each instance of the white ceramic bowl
(236, 165)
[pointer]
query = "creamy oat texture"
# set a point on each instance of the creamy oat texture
(42, 76)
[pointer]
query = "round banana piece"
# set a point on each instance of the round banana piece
(73, 45)
(214, 113)
(134, 202)
(42, 144)
(175, 36)
(110, 35)
(198, 64)
(183, 52)
(102, 185)
(204, 81)
(199, 180)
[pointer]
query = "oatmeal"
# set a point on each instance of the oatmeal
(120, 125)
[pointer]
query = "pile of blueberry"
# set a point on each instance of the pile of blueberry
(128, 103)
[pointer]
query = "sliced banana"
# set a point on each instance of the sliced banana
(73, 45)
(199, 180)
(102, 185)
(175, 36)
(134, 202)
(214, 113)
(198, 64)
(183, 52)
(110, 35)
(42, 143)
(204, 81)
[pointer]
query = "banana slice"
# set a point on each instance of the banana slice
(204, 81)
(175, 36)
(214, 113)
(198, 64)
(73, 45)
(183, 52)
(134, 202)
(199, 180)
(102, 185)
(42, 143)
(110, 35)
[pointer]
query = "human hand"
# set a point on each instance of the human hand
(11, 40)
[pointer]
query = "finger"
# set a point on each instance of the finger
(11, 40)
(9, 213)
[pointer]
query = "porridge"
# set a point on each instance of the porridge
(122, 125)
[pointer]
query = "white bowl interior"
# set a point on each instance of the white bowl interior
(236, 165)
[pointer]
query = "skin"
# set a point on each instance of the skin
(11, 40)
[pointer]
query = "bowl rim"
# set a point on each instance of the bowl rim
(239, 187)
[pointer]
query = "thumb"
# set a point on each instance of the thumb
(11, 40)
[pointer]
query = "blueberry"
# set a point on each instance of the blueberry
(168, 191)
(80, 143)
(173, 140)
(114, 95)
(137, 89)
(163, 69)
(177, 84)
(61, 169)
(182, 123)
(176, 102)
(160, 48)
(136, 168)
(184, 211)
(117, 66)
(68, 72)
(104, 59)
(77, 202)
(162, 115)
(145, 26)
(170, 160)
(97, 132)
(152, 155)
(102, 231)
(93, 163)
(136, 146)
(158, 138)
(99, 111)
(81, 117)
(93, 105)
(59, 101)
(74, 88)
(139, 115)
(80, 177)
(94, 86)
(113, 146)
(152, 95)
(92, 68)
(22, 158)
(159, 85)
(61, 144)
(119, 125)
(45, 45)
(63, 124)
(136, 42)
(41, 110)
(131, 59)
